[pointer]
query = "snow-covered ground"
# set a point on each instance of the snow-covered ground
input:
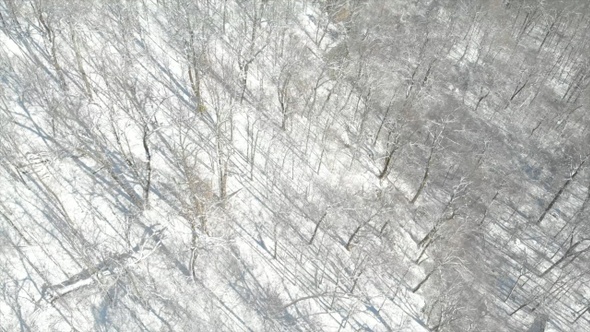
(306, 166)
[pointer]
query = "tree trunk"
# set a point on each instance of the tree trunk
(415, 289)
(560, 192)
(317, 226)
(148, 167)
(424, 179)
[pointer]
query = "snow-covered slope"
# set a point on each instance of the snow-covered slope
(293, 165)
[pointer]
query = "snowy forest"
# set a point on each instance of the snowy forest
(295, 165)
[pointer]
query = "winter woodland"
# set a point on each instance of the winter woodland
(283, 165)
